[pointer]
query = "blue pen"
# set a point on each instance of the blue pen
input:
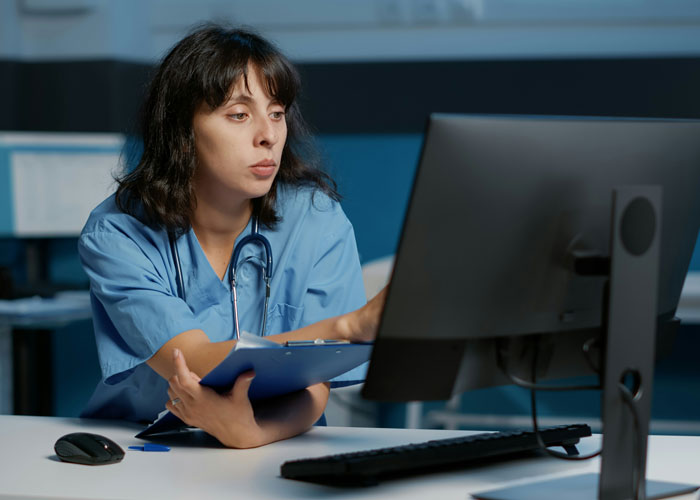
(150, 447)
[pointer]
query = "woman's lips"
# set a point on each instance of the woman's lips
(264, 168)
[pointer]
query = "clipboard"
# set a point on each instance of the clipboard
(279, 369)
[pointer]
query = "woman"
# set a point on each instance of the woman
(224, 158)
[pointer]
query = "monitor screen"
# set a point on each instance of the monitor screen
(502, 209)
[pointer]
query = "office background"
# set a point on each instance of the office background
(372, 71)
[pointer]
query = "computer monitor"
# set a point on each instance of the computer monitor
(568, 238)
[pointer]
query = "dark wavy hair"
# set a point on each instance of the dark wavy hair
(203, 68)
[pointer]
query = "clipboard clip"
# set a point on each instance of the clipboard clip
(294, 343)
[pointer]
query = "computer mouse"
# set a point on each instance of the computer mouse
(88, 449)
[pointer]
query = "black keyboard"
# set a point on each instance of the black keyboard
(365, 468)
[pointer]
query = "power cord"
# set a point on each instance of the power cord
(533, 386)
(628, 398)
(501, 362)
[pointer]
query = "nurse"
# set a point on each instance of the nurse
(226, 155)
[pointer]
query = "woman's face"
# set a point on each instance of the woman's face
(239, 144)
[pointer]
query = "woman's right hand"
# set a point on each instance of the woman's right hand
(229, 417)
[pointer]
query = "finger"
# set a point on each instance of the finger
(182, 381)
(240, 388)
(174, 409)
(176, 389)
(173, 399)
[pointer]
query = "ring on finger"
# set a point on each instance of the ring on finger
(175, 401)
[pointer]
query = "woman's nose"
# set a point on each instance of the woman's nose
(267, 133)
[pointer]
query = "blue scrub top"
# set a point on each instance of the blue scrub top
(136, 308)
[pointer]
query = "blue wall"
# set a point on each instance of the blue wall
(695, 261)
(375, 174)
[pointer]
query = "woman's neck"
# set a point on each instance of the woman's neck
(217, 229)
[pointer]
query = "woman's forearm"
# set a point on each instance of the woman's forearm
(290, 415)
(359, 325)
(203, 355)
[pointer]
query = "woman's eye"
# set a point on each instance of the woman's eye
(277, 115)
(238, 116)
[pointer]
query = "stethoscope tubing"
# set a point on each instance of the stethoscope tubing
(254, 237)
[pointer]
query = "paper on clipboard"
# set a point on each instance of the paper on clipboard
(278, 370)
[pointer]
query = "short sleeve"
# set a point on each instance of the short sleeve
(335, 284)
(135, 309)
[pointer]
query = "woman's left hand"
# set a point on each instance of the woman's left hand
(228, 417)
(362, 324)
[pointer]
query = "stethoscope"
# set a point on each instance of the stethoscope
(253, 237)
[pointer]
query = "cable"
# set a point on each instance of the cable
(587, 346)
(627, 397)
(543, 446)
(637, 474)
(540, 387)
(534, 387)
(535, 427)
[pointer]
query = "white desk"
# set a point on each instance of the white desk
(204, 470)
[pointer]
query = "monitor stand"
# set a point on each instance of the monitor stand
(578, 487)
(629, 359)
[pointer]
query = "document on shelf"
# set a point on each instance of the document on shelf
(279, 369)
